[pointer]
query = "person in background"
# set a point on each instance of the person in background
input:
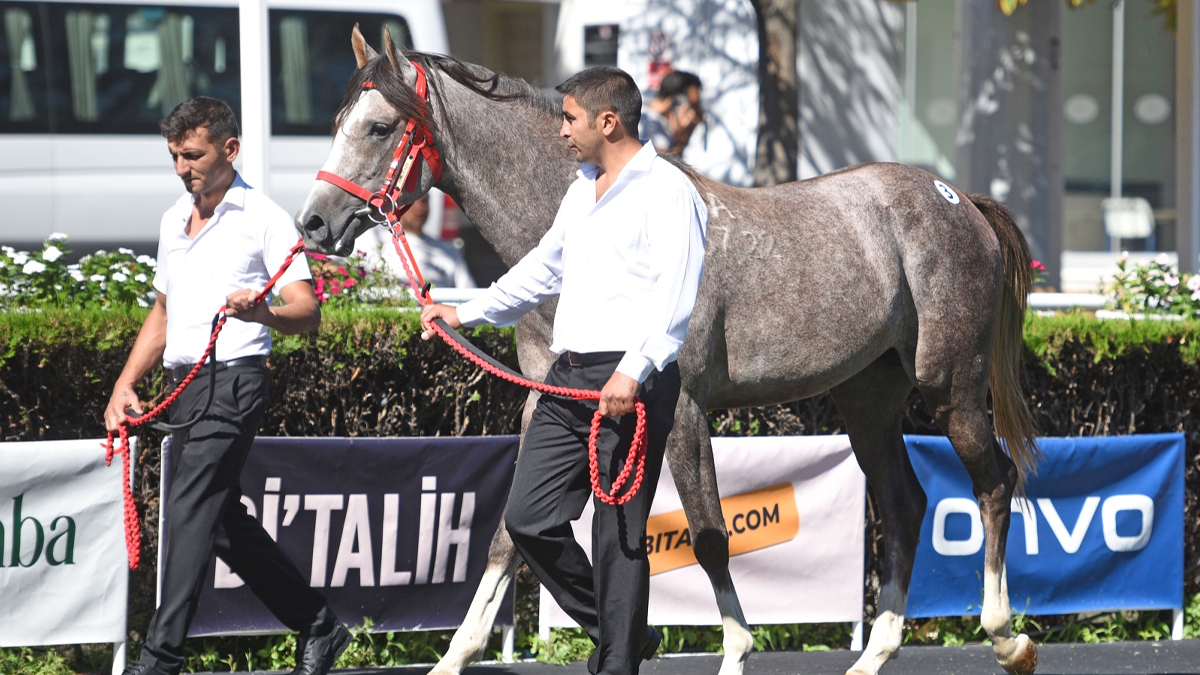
(218, 244)
(441, 262)
(669, 118)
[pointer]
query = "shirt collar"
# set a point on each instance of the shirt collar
(639, 163)
(235, 197)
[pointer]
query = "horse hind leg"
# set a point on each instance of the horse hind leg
(689, 452)
(962, 415)
(872, 404)
(471, 638)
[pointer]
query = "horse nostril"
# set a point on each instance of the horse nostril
(314, 224)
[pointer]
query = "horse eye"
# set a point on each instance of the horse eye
(379, 129)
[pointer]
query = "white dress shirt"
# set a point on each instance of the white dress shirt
(627, 267)
(241, 246)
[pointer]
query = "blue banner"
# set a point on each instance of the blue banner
(395, 530)
(1101, 529)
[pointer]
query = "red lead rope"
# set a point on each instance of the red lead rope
(133, 530)
(635, 461)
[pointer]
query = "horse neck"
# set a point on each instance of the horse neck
(504, 165)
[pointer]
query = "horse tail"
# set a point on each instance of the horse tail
(1012, 420)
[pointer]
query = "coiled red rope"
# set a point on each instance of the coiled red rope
(635, 461)
(133, 529)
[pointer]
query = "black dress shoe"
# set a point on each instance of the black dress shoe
(651, 643)
(138, 668)
(316, 655)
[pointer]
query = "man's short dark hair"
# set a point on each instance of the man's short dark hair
(606, 88)
(201, 111)
(676, 83)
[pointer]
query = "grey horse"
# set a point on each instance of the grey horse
(866, 282)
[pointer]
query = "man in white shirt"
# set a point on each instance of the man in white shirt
(219, 245)
(624, 256)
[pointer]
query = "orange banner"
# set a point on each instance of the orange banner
(755, 520)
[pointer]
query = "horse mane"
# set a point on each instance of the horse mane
(403, 97)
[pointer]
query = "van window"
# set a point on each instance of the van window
(120, 68)
(24, 89)
(311, 62)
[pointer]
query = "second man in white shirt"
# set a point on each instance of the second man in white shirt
(624, 256)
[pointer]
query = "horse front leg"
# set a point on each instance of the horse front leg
(471, 638)
(689, 452)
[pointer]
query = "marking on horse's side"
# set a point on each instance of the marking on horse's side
(947, 191)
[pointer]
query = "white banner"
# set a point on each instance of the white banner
(794, 508)
(63, 567)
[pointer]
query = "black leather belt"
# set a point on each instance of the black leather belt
(179, 372)
(575, 359)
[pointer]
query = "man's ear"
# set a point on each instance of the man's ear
(232, 147)
(608, 122)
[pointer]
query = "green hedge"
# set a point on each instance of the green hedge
(367, 373)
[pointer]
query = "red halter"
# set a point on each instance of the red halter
(415, 142)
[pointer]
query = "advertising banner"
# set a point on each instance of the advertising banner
(64, 574)
(1101, 529)
(394, 530)
(793, 507)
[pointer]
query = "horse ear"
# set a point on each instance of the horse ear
(362, 51)
(394, 56)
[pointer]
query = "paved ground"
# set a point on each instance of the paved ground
(1123, 658)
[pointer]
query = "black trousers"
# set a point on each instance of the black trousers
(206, 514)
(550, 489)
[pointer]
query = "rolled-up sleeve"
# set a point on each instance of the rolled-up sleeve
(675, 232)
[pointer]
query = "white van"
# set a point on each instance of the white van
(83, 85)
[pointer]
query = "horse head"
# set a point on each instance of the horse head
(380, 101)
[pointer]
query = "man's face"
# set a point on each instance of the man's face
(414, 218)
(202, 165)
(581, 133)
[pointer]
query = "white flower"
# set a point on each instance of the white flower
(51, 253)
(76, 275)
(120, 277)
(126, 251)
(33, 267)
(1172, 280)
(1162, 259)
(1196, 296)
(8, 249)
(19, 257)
(147, 260)
(57, 236)
(141, 278)
(1194, 282)
(96, 277)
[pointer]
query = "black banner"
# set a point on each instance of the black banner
(391, 529)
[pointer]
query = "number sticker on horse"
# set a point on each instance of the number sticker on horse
(947, 191)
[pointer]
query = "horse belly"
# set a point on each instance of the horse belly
(773, 366)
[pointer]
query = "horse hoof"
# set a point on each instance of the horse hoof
(1024, 661)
